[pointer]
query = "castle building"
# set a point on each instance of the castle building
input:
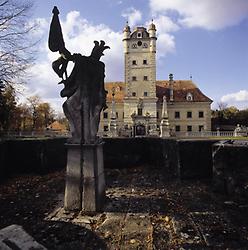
(138, 101)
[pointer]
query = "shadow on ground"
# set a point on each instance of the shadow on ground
(144, 209)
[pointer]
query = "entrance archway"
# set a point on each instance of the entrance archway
(140, 129)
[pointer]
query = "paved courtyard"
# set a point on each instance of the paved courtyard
(145, 209)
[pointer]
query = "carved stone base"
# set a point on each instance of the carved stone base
(94, 181)
(85, 182)
(74, 180)
(164, 130)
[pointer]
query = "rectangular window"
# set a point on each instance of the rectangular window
(145, 62)
(201, 114)
(139, 111)
(145, 94)
(134, 78)
(116, 114)
(139, 35)
(105, 115)
(189, 128)
(145, 78)
(105, 128)
(134, 62)
(134, 94)
(201, 128)
(178, 128)
(123, 115)
(189, 114)
(157, 114)
(177, 114)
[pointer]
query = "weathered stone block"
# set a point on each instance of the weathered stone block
(14, 237)
(93, 175)
(73, 188)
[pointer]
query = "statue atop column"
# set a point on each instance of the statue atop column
(86, 98)
(164, 124)
(84, 87)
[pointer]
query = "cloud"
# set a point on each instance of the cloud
(164, 24)
(166, 41)
(79, 35)
(240, 96)
(132, 15)
(40, 26)
(207, 14)
(165, 44)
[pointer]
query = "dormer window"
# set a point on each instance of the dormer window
(139, 35)
(189, 97)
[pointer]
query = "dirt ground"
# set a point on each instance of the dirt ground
(144, 209)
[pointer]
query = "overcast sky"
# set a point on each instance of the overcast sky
(207, 39)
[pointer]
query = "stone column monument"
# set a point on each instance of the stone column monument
(164, 124)
(86, 98)
(113, 128)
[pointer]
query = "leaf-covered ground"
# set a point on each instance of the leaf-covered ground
(145, 209)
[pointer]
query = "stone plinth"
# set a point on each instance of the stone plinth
(74, 178)
(164, 128)
(85, 182)
(113, 128)
(93, 174)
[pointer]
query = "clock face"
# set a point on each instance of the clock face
(145, 45)
(134, 45)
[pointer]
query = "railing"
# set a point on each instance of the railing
(186, 134)
(47, 133)
(205, 134)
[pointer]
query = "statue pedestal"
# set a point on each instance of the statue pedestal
(164, 129)
(85, 182)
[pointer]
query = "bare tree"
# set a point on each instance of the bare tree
(16, 45)
(222, 105)
(34, 102)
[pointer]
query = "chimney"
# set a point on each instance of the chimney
(171, 87)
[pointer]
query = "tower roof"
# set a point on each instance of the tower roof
(152, 26)
(127, 28)
(140, 30)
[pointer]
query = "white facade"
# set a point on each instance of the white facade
(138, 100)
(140, 74)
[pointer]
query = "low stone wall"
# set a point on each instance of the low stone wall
(31, 156)
(182, 158)
(131, 152)
(195, 159)
(124, 152)
(230, 168)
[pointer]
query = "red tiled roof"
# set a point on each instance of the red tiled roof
(180, 90)
(119, 91)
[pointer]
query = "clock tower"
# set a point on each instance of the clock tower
(140, 101)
